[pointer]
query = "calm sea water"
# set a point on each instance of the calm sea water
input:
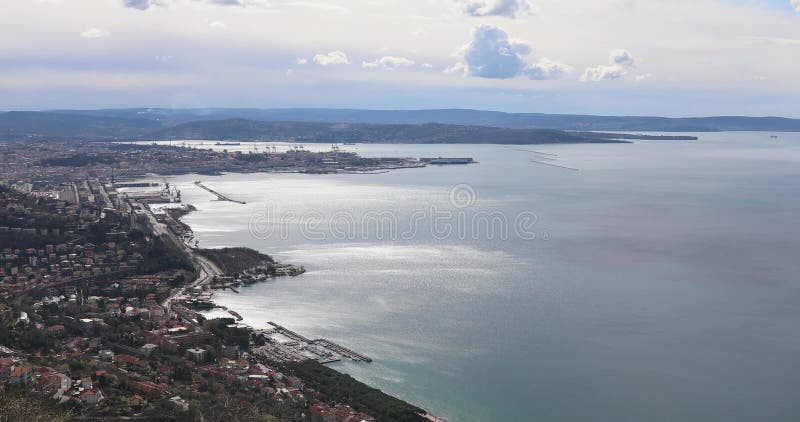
(662, 284)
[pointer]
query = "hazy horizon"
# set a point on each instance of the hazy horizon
(388, 109)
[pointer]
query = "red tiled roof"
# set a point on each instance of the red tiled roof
(127, 358)
(18, 371)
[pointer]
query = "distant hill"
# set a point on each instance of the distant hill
(121, 126)
(459, 117)
(25, 124)
(429, 133)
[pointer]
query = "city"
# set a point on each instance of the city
(399, 211)
(101, 295)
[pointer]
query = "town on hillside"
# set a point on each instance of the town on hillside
(102, 301)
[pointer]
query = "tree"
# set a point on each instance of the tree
(99, 231)
(15, 407)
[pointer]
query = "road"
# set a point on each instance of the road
(206, 270)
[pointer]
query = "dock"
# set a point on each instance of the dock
(219, 196)
(327, 344)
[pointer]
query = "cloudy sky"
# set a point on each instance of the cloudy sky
(637, 57)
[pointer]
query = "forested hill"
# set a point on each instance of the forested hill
(43, 125)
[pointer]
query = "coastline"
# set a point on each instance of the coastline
(335, 352)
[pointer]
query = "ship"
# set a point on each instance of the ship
(447, 160)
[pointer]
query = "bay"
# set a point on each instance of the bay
(661, 282)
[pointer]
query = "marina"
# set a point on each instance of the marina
(324, 343)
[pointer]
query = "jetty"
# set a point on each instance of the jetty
(289, 333)
(219, 196)
(358, 357)
(235, 314)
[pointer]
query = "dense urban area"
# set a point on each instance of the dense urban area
(102, 296)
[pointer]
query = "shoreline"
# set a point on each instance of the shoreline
(327, 351)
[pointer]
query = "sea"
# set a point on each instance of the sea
(657, 281)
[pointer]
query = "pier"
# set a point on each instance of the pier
(327, 344)
(219, 196)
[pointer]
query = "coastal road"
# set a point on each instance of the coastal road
(206, 270)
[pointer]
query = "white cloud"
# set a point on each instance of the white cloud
(388, 63)
(795, 4)
(623, 58)
(493, 54)
(459, 67)
(217, 25)
(142, 4)
(332, 58)
(240, 3)
(94, 33)
(547, 69)
(603, 73)
(644, 76)
(506, 8)
(301, 61)
(146, 4)
(228, 2)
(621, 62)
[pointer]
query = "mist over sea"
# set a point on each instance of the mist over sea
(661, 282)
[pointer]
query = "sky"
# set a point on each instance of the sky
(618, 57)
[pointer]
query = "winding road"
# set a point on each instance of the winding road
(206, 269)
